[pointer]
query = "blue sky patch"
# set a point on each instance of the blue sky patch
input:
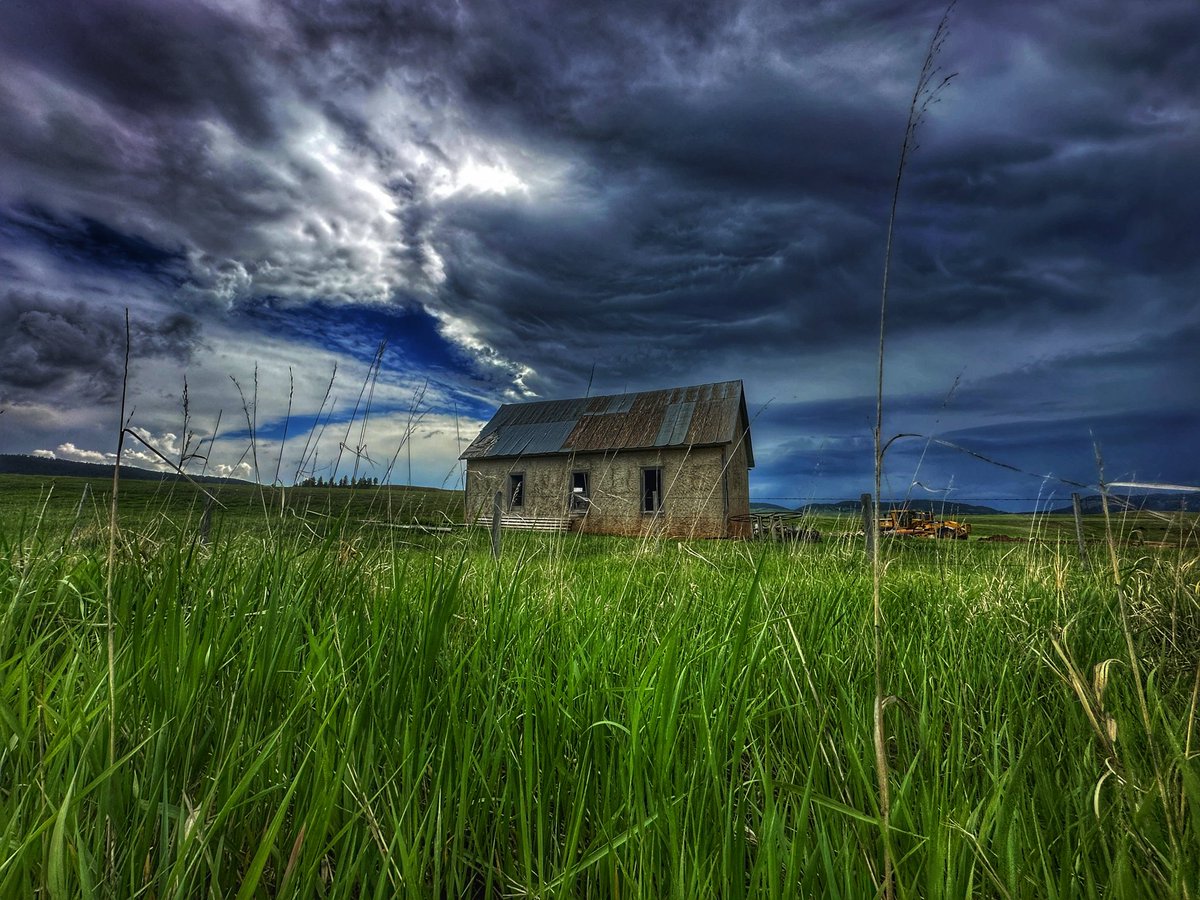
(413, 341)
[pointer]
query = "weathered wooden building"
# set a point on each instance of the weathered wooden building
(673, 461)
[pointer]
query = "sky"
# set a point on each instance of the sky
(537, 200)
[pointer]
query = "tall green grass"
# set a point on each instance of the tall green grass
(338, 713)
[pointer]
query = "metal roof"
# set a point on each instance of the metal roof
(698, 416)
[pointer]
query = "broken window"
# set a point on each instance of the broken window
(580, 491)
(652, 490)
(516, 490)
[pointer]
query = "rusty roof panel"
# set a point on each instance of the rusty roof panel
(711, 422)
(700, 415)
(617, 431)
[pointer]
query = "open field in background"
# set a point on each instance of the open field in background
(321, 708)
(1129, 528)
(180, 504)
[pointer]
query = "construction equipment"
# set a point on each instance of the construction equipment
(917, 523)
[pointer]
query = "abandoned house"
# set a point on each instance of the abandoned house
(673, 462)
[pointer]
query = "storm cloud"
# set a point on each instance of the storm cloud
(528, 200)
(51, 348)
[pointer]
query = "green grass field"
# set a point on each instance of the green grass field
(178, 506)
(318, 703)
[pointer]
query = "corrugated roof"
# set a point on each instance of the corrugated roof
(675, 424)
(701, 415)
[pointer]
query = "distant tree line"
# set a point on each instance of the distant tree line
(344, 481)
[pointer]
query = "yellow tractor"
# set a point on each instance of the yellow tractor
(917, 523)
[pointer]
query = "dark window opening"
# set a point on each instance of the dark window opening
(652, 493)
(580, 491)
(516, 490)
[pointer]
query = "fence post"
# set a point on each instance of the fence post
(497, 513)
(1077, 508)
(206, 521)
(868, 517)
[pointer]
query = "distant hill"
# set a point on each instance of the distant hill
(937, 507)
(842, 506)
(15, 464)
(1166, 502)
(756, 506)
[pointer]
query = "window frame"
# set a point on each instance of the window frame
(516, 498)
(647, 497)
(585, 496)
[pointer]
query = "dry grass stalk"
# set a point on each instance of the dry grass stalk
(110, 644)
(250, 412)
(927, 89)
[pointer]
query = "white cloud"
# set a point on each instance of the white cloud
(478, 178)
(465, 334)
(70, 451)
(422, 451)
(241, 470)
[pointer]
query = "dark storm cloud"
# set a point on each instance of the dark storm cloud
(1158, 43)
(197, 127)
(758, 198)
(88, 244)
(537, 60)
(661, 193)
(1054, 455)
(152, 59)
(1159, 374)
(65, 352)
(1130, 399)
